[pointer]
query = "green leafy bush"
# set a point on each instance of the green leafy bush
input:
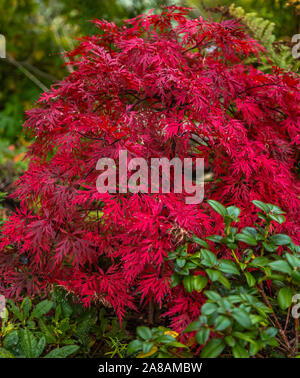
(58, 328)
(158, 342)
(247, 298)
(27, 332)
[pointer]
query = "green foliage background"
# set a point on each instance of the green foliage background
(284, 13)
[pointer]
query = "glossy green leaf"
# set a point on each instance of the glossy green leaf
(281, 266)
(194, 326)
(147, 346)
(233, 212)
(199, 282)
(209, 308)
(213, 348)
(262, 206)
(239, 352)
(213, 295)
(293, 260)
(250, 279)
(213, 274)
(284, 298)
(134, 346)
(229, 340)
(269, 247)
(63, 352)
(144, 332)
(26, 307)
(224, 281)
(202, 336)
(201, 242)
(277, 218)
(259, 262)
(245, 238)
(280, 239)
(41, 309)
(242, 317)
(188, 283)
(222, 322)
(180, 262)
(11, 340)
(268, 334)
(215, 238)
(208, 258)
(218, 207)
(28, 343)
(228, 266)
(47, 332)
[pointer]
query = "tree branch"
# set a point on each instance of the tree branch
(27, 73)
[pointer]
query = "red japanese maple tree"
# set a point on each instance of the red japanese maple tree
(157, 86)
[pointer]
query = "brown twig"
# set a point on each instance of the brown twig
(27, 73)
(195, 46)
(281, 331)
(287, 319)
(90, 136)
(260, 86)
(39, 72)
(296, 335)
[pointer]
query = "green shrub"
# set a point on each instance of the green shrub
(58, 328)
(247, 298)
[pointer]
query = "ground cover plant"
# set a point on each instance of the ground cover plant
(167, 86)
(59, 327)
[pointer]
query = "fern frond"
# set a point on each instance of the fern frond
(263, 31)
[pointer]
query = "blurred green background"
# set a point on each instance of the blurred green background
(37, 32)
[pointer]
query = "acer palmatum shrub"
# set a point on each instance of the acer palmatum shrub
(157, 86)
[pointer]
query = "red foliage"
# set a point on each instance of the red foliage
(149, 87)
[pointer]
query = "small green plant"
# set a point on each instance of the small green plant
(263, 30)
(239, 316)
(58, 328)
(118, 349)
(157, 342)
(20, 336)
